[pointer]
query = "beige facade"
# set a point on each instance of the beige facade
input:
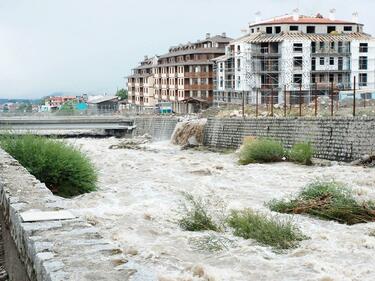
(184, 76)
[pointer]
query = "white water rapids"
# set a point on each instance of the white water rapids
(139, 201)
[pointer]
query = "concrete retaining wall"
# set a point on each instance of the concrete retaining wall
(160, 128)
(340, 139)
(49, 250)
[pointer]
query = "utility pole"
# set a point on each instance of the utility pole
(300, 99)
(256, 103)
(272, 102)
(354, 96)
(331, 98)
(316, 99)
(284, 100)
(243, 104)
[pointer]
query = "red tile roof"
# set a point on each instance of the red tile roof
(288, 19)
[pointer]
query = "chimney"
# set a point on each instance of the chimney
(223, 34)
(355, 17)
(257, 17)
(208, 35)
(296, 14)
(332, 14)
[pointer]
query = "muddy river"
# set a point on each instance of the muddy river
(140, 200)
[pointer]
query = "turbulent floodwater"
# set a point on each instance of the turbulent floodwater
(139, 202)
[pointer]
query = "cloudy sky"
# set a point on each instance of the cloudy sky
(88, 46)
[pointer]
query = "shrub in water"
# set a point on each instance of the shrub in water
(301, 153)
(197, 217)
(261, 151)
(64, 169)
(327, 200)
(275, 232)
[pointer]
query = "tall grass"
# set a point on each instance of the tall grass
(301, 153)
(261, 151)
(327, 200)
(64, 169)
(274, 232)
(197, 217)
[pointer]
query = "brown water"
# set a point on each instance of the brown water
(139, 202)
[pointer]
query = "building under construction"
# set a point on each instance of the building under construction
(292, 56)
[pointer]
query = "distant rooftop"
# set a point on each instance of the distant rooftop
(302, 19)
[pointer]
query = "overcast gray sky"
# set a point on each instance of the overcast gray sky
(88, 46)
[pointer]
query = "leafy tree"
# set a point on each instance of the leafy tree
(122, 94)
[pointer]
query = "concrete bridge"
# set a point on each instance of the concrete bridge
(117, 126)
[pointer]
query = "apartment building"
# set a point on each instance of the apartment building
(295, 54)
(183, 76)
(141, 84)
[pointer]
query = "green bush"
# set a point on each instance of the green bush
(274, 232)
(261, 151)
(197, 217)
(327, 200)
(301, 153)
(65, 170)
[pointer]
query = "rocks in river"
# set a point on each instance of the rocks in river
(366, 160)
(133, 143)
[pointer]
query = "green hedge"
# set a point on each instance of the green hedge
(301, 153)
(64, 169)
(261, 151)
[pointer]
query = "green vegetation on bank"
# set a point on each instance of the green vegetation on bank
(301, 153)
(261, 151)
(64, 169)
(196, 217)
(274, 232)
(327, 200)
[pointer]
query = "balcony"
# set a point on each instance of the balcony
(339, 51)
(197, 87)
(199, 74)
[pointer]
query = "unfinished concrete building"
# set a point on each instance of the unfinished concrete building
(295, 54)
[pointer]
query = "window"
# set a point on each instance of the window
(362, 63)
(363, 79)
(331, 29)
(238, 48)
(331, 61)
(252, 30)
(348, 28)
(321, 45)
(238, 81)
(293, 28)
(310, 29)
(321, 78)
(297, 78)
(238, 65)
(297, 47)
(321, 61)
(331, 77)
(297, 63)
(221, 82)
(269, 29)
(332, 45)
(363, 47)
(221, 67)
(277, 29)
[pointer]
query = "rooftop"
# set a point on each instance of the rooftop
(302, 19)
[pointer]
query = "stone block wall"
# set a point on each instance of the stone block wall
(52, 250)
(160, 128)
(339, 139)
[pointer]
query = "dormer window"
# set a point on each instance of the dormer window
(293, 28)
(277, 29)
(310, 29)
(269, 29)
(348, 28)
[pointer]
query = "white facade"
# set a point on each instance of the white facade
(273, 59)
